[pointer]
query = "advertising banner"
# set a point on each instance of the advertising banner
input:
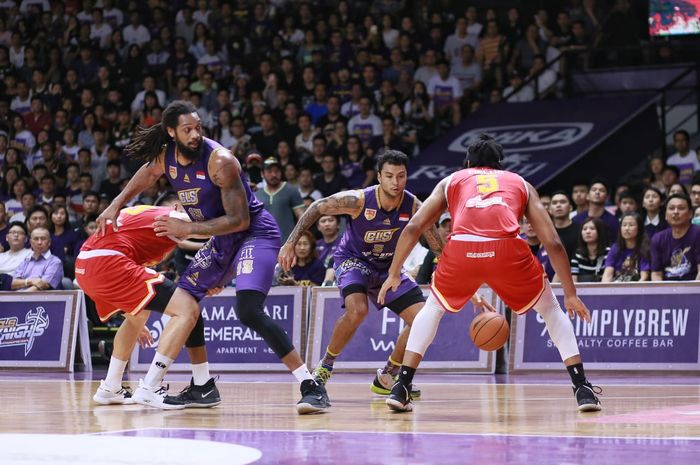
(230, 345)
(634, 326)
(540, 139)
(38, 330)
(374, 340)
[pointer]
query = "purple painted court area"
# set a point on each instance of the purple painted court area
(322, 447)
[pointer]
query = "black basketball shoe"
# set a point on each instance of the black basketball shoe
(314, 398)
(193, 396)
(586, 397)
(400, 398)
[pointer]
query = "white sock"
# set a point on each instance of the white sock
(302, 373)
(200, 373)
(115, 374)
(156, 373)
(425, 326)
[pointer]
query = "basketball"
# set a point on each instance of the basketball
(489, 331)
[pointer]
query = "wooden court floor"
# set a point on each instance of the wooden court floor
(646, 409)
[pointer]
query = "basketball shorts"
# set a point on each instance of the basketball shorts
(115, 282)
(507, 266)
(249, 257)
(357, 276)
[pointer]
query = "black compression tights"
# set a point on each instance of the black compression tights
(249, 307)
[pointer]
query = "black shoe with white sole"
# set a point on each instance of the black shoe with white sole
(314, 398)
(586, 397)
(400, 398)
(193, 396)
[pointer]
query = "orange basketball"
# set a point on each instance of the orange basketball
(489, 331)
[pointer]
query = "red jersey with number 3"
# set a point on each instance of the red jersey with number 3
(135, 238)
(486, 202)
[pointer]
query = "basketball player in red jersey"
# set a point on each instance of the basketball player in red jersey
(486, 205)
(113, 269)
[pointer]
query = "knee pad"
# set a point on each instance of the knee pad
(249, 306)
(196, 337)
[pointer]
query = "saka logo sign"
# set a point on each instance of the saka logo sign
(526, 137)
(16, 333)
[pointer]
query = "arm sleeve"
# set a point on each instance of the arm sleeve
(425, 271)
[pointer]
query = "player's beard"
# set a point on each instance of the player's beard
(187, 152)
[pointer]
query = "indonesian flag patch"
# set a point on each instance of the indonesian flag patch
(200, 175)
(403, 217)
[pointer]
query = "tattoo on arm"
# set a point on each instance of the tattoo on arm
(342, 203)
(434, 240)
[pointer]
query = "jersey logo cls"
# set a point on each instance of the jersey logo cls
(385, 235)
(189, 196)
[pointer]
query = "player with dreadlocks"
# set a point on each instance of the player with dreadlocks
(486, 204)
(245, 239)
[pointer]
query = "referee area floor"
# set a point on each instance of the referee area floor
(489, 419)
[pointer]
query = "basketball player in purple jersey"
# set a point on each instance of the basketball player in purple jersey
(378, 215)
(244, 237)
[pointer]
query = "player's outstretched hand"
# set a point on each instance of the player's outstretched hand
(481, 305)
(109, 215)
(392, 282)
(574, 306)
(287, 258)
(145, 339)
(169, 226)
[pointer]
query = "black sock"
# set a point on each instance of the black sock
(578, 377)
(406, 375)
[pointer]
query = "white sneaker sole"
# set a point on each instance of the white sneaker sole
(154, 401)
(112, 401)
(590, 408)
(397, 406)
(195, 405)
(308, 409)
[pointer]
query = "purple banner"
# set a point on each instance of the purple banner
(230, 344)
(374, 340)
(632, 327)
(35, 329)
(540, 139)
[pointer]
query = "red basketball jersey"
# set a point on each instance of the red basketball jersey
(135, 238)
(486, 202)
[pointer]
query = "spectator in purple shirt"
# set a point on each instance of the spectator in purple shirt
(40, 271)
(628, 259)
(597, 196)
(675, 252)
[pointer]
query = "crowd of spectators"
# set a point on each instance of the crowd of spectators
(304, 93)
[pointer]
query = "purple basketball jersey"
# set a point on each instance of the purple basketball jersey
(373, 234)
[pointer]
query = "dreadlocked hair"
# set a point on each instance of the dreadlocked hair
(485, 152)
(147, 143)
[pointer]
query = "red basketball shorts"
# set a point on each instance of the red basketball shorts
(506, 265)
(115, 282)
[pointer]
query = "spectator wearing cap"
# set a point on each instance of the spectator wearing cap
(425, 273)
(41, 270)
(280, 199)
(685, 158)
(597, 196)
